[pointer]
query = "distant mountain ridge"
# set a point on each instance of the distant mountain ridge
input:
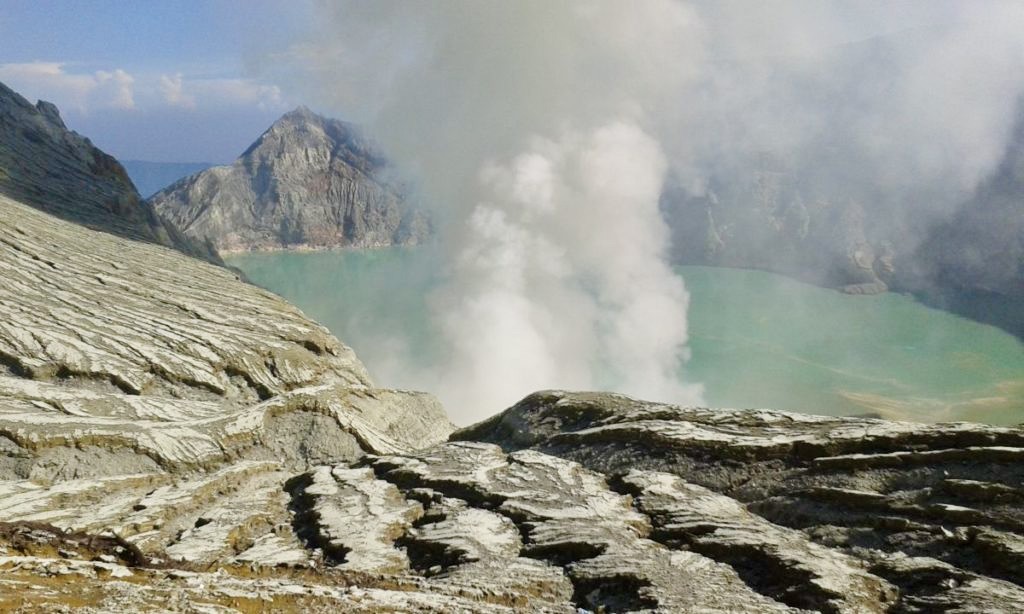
(151, 177)
(772, 213)
(973, 263)
(58, 171)
(307, 182)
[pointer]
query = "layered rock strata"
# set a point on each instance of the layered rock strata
(173, 438)
(51, 168)
(807, 509)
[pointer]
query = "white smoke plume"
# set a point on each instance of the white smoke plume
(528, 126)
(542, 133)
(560, 277)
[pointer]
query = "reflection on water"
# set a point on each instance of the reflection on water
(758, 339)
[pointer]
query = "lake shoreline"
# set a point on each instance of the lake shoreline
(757, 338)
(984, 308)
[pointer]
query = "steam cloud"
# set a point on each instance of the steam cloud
(538, 299)
(543, 133)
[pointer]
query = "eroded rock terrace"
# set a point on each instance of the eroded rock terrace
(172, 438)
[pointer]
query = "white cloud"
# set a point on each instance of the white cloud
(115, 88)
(227, 92)
(83, 92)
(192, 93)
(173, 91)
(120, 84)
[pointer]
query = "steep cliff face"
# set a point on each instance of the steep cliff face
(47, 166)
(968, 260)
(765, 214)
(307, 182)
(962, 252)
(981, 249)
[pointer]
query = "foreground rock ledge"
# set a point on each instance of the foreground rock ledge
(914, 518)
(174, 439)
(828, 514)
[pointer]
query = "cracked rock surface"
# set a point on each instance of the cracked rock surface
(830, 514)
(172, 438)
(122, 355)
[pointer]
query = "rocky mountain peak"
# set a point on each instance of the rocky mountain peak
(47, 166)
(301, 113)
(303, 129)
(307, 182)
(298, 129)
(298, 121)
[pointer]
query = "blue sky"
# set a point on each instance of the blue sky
(150, 79)
(199, 80)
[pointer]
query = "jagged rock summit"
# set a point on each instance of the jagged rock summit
(307, 182)
(47, 166)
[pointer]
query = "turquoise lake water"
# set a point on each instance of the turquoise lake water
(758, 339)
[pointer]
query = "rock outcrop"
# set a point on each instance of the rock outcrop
(47, 166)
(152, 410)
(119, 353)
(825, 514)
(307, 182)
(573, 502)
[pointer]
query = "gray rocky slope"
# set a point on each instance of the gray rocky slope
(773, 213)
(47, 166)
(174, 439)
(307, 182)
